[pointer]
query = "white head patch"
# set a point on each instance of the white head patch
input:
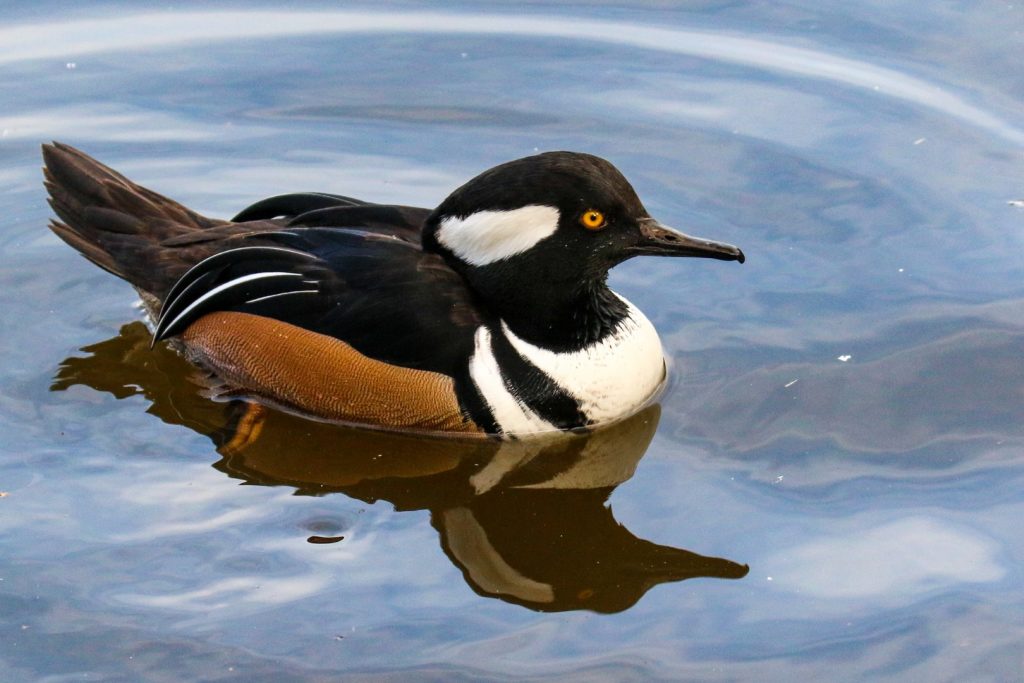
(488, 236)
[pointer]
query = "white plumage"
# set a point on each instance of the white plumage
(484, 237)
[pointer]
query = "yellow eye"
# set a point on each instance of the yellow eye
(592, 220)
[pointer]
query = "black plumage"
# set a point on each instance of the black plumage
(382, 295)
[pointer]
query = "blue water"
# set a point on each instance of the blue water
(845, 414)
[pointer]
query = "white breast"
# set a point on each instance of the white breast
(611, 378)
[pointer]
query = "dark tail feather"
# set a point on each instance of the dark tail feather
(116, 224)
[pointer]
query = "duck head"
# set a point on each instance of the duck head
(536, 237)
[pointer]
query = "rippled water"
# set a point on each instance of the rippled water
(845, 417)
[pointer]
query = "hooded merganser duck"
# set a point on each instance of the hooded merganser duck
(488, 315)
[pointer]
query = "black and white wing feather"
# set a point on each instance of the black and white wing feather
(240, 279)
(371, 287)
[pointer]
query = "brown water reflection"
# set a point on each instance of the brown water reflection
(525, 521)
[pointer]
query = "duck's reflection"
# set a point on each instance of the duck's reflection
(526, 521)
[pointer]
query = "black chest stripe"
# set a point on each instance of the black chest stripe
(473, 404)
(534, 388)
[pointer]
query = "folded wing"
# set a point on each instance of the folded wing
(370, 286)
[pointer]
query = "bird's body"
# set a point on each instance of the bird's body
(489, 314)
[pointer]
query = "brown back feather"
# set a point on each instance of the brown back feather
(134, 233)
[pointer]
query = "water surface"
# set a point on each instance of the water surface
(831, 489)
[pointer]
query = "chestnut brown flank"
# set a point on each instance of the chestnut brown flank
(322, 375)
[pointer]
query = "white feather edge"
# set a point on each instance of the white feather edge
(220, 288)
(222, 255)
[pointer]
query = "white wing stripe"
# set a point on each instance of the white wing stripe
(227, 285)
(274, 296)
(173, 294)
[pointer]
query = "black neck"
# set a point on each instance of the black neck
(559, 306)
(559, 320)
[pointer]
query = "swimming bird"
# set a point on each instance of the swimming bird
(489, 314)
